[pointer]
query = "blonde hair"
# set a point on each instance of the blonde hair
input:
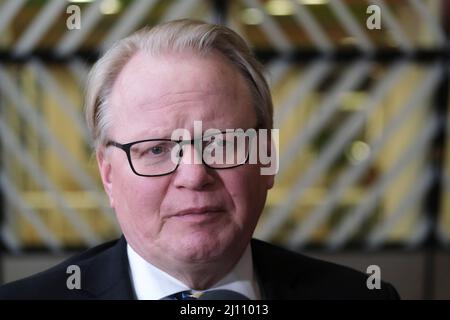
(173, 37)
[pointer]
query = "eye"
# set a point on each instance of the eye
(156, 150)
(220, 142)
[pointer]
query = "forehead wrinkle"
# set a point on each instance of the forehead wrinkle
(172, 96)
(174, 99)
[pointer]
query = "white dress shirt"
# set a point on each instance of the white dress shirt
(151, 283)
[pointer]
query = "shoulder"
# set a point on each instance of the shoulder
(52, 283)
(303, 277)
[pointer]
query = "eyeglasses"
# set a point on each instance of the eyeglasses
(159, 157)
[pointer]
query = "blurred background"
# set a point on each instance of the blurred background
(360, 91)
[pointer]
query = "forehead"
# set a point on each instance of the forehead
(171, 91)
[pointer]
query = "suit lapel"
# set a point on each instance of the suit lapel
(275, 281)
(106, 276)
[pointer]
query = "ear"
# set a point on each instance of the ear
(104, 166)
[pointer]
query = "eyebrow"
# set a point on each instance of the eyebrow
(153, 135)
(144, 135)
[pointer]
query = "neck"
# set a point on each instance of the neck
(201, 276)
(197, 275)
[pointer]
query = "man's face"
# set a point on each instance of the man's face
(151, 97)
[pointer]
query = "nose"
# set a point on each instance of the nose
(191, 172)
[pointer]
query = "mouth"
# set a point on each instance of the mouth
(197, 213)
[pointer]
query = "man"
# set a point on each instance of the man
(187, 221)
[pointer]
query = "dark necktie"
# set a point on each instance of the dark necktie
(208, 295)
(182, 295)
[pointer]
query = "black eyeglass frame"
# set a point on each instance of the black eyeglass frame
(126, 147)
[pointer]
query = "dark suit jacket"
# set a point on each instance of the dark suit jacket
(282, 274)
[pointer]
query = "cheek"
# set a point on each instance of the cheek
(248, 190)
(137, 199)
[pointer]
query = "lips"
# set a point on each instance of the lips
(197, 211)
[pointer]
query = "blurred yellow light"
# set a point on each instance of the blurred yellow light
(279, 7)
(252, 16)
(348, 41)
(359, 151)
(110, 6)
(313, 2)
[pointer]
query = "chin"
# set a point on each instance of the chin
(202, 247)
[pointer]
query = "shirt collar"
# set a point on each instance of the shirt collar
(151, 283)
